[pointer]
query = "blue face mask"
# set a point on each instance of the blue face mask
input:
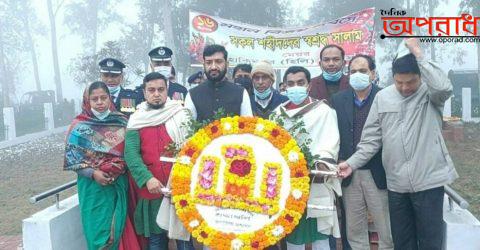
(297, 94)
(262, 95)
(359, 81)
(113, 90)
(101, 115)
(333, 77)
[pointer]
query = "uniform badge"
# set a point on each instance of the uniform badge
(110, 63)
(127, 105)
(161, 52)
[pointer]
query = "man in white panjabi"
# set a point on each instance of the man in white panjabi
(322, 138)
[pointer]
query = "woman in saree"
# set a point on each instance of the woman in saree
(94, 150)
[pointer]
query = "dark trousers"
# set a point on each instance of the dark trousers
(417, 219)
(158, 242)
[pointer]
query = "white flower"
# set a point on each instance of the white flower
(185, 160)
(277, 231)
(227, 126)
(293, 156)
(237, 244)
(259, 127)
(194, 223)
(297, 194)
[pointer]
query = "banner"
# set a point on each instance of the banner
(283, 47)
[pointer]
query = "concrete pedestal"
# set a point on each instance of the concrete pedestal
(54, 228)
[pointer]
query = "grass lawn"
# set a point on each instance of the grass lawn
(466, 156)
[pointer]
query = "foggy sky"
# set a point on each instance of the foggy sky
(69, 46)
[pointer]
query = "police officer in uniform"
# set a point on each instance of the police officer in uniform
(161, 62)
(111, 73)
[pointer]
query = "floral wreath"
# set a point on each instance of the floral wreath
(237, 185)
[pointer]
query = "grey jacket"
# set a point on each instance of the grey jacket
(410, 130)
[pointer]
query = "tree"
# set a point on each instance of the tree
(31, 27)
(85, 69)
(52, 15)
(139, 37)
(12, 48)
(87, 17)
(472, 7)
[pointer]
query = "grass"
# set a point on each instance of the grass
(466, 157)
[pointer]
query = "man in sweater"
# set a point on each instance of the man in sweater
(155, 125)
(405, 123)
(332, 79)
(367, 189)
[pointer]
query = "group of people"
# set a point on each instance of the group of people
(385, 145)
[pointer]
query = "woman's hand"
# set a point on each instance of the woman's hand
(102, 178)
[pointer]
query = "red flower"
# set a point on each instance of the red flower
(190, 152)
(203, 234)
(299, 174)
(214, 129)
(241, 125)
(255, 244)
(275, 132)
(240, 167)
(289, 218)
(183, 203)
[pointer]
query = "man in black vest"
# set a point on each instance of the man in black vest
(111, 73)
(217, 92)
(366, 190)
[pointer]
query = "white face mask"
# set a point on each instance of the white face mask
(101, 115)
(164, 70)
(359, 81)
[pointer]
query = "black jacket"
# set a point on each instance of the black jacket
(176, 91)
(343, 103)
(127, 101)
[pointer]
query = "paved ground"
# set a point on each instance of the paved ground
(10, 242)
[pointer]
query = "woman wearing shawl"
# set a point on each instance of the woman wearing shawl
(94, 149)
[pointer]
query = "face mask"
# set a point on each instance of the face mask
(262, 95)
(113, 89)
(332, 77)
(164, 70)
(101, 115)
(246, 82)
(297, 94)
(359, 81)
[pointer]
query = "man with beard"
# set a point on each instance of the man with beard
(332, 79)
(111, 73)
(217, 92)
(156, 124)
